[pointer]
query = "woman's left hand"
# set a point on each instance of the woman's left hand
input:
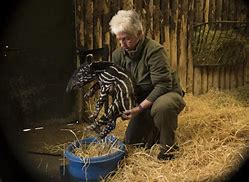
(131, 113)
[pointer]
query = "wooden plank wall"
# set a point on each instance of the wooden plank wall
(169, 22)
(220, 77)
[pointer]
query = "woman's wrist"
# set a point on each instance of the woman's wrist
(140, 107)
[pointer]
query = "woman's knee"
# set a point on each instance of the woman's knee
(169, 103)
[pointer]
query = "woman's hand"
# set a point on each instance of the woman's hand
(136, 110)
(131, 113)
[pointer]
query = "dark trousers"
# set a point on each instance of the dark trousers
(157, 124)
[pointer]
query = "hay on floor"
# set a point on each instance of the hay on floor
(213, 134)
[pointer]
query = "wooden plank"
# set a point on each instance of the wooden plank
(220, 13)
(216, 76)
(206, 10)
(97, 23)
(79, 38)
(79, 24)
(114, 6)
(246, 66)
(241, 74)
(222, 78)
(148, 19)
(211, 16)
(88, 19)
(126, 4)
(173, 34)
(204, 80)
(166, 32)
(138, 6)
(106, 17)
(199, 11)
(210, 77)
(190, 70)
(244, 11)
(183, 50)
(156, 20)
(233, 78)
(226, 11)
(227, 78)
(197, 81)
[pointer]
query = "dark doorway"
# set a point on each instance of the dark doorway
(37, 58)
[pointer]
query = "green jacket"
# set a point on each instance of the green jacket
(149, 68)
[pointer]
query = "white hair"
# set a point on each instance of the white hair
(127, 21)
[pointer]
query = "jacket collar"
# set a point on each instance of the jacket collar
(135, 54)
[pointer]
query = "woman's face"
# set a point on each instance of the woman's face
(127, 41)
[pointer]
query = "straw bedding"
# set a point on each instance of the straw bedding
(213, 134)
(96, 149)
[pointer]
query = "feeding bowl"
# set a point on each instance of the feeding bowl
(94, 168)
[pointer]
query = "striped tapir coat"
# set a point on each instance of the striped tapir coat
(113, 81)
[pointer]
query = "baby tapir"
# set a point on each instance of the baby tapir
(111, 80)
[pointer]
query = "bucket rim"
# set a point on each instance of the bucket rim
(97, 159)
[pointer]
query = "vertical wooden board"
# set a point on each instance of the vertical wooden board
(148, 19)
(97, 23)
(197, 81)
(114, 6)
(222, 78)
(211, 11)
(189, 84)
(79, 23)
(88, 19)
(223, 6)
(79, 37)
(206, 10)
(238, 10)
(227, 77)
(190, 69)
(210, 77)
(166, 32)
(173, 34)
(183, 50)
(156, 20)
(247, 69)
(241, 74)
(219, 11)
(106, 17)
(126, 4)
(138, 6)
(199, 11)
(233, 77)
(247, 10)
(244, 11)
(216, 78)
(231, 12)
(204, 80)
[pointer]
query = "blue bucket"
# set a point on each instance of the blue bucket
(96, 167)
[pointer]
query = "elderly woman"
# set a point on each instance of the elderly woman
(159, 96)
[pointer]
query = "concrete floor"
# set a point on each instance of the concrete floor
(44, 150)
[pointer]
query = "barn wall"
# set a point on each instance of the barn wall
(168, 22)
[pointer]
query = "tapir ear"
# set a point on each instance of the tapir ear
(89, 58)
